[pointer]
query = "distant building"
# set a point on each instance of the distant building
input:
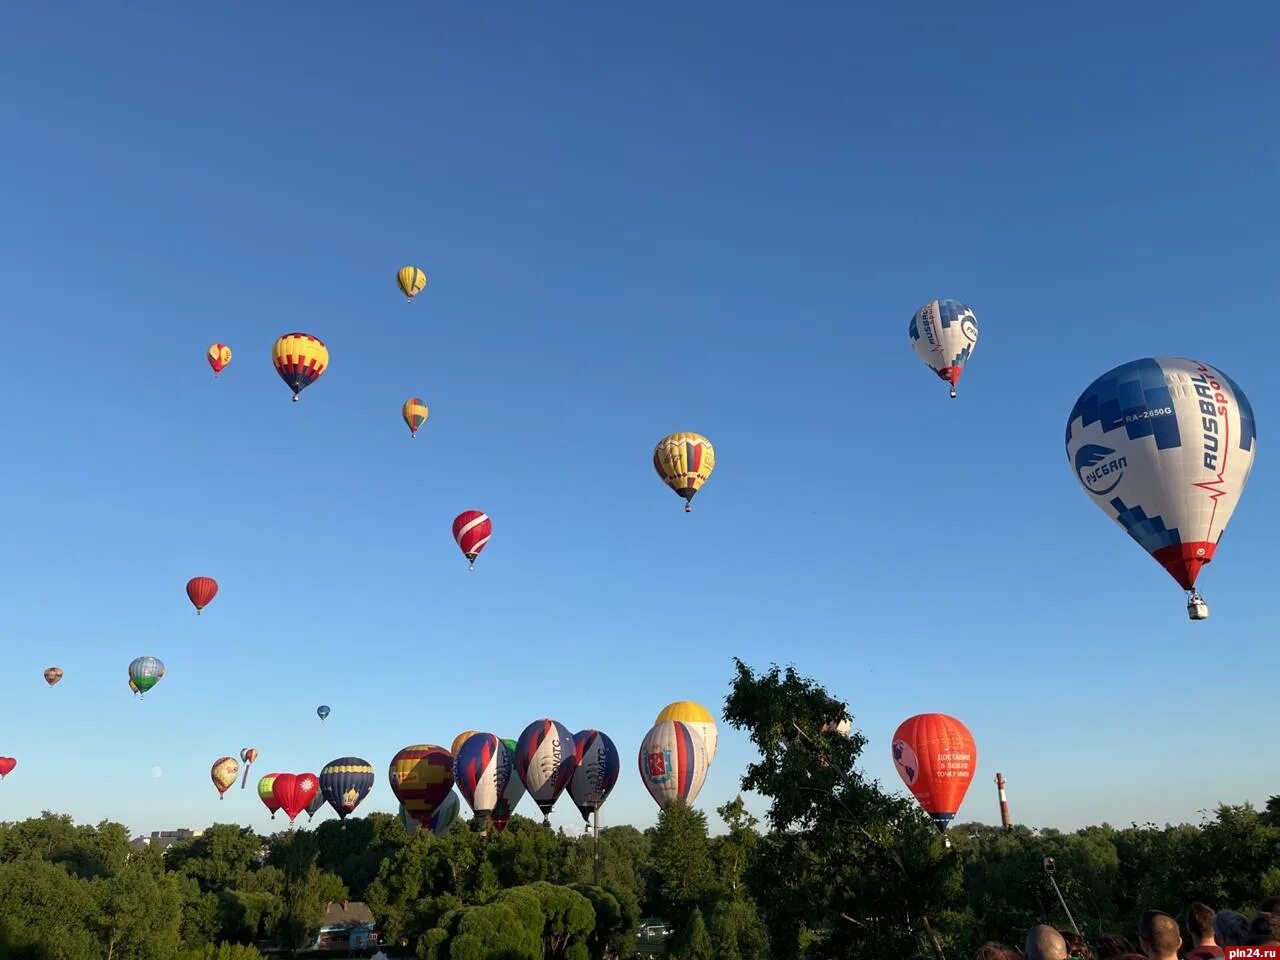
(163, 839)
(346, 926)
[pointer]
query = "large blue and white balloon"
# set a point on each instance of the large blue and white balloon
(943, 335)
(1164, 446)
(595, 772)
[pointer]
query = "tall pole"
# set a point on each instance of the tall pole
(1005, 820)
(1065, 908)
(595, 828)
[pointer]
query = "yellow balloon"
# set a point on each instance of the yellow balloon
(411, 281)
(224, 773)
(415, 414)
(696, 717)
(684, 461)
(459, 740)
(300, 360)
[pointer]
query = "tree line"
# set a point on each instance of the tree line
(839, 869)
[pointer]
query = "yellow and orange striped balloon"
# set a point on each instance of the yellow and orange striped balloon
(300, 360)
(415, 414)
(684, 461)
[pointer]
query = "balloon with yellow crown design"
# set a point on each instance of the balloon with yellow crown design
(345, 782)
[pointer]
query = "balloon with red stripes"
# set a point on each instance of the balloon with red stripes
(471, 530)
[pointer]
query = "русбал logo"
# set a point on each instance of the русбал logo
(1095, 464)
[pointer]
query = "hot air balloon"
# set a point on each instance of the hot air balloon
(545, 762)
(936, 757)
(1164, 446)
(445, 815)
(698, 718)
(266, 793)
(673, 762)
(840, 723)
(322, 711)
(223, 773)
(345, 782)
(219, 356)
(52, 675)
(511, 796)
(472, 529)
(458, 741)
(481, 771)
(415, 414)
(421, 777)
(134, 687)
(595, 772)
(293, 791)
(411, 281)
(684, 461)
(300, 360)
(314, 805)
(6, 766)
(247, 756)
(943, 335)
(145, 673)
(200, 590)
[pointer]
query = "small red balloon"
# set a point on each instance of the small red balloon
(6, 766)
(201, 590)
(472, 530)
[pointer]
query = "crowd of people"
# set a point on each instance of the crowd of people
(1202, 935)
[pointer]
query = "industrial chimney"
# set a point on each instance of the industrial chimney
(1005, 820)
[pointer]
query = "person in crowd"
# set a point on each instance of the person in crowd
(1200, 928)
(1045, 943)
(1159, 936)
(996, 951)
(1076, 945)
(1110, 946)
(1230, 928)
(1269, 905)
(1264, 930)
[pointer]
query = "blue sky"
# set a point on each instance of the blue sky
(716, 218)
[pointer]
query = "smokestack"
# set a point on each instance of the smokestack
(1005, 820)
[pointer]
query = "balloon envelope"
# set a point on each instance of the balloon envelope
(6, 766)
(266, 793)
(936, 757)
(415, 414)
(511, 796)
(322, 712)
(224, 772)
(200, 590)
(458, 741)
(345, 782)
(943, 334)
(673, 762)
(445, 815)
(145, 672)
(471, 531)
(52, 675)
(481, 771)
(545, 761)
(596, 768)
(218, 355)
(698, 718)
(300, 360)
(411, 281)
(1163, 446)
(421, 776)
(293, 791)
(684, 461)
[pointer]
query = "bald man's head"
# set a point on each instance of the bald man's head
(1045, 943)
(1159, 934)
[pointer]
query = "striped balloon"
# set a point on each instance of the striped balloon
(200, 590)
(511, 796)
(595, 772)
(300, 360)
(471, 530)
(481, 771)
(545, 760)
(684, 461)
(421, 778)
(415, 414)
(345, 782)
(673, 762)
(266, 793)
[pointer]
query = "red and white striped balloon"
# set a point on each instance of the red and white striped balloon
(472, 529)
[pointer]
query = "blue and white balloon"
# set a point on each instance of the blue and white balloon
(943, 334)
(1164, 446)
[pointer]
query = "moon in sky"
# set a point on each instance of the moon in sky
(157, 773)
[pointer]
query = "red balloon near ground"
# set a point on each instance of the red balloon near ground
(6, 766)
(936, 757)
(293, 791)
(472, 530)
(201, 590)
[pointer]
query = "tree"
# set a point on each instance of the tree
(307, 890)
(693, 941)
(139, 911)
(45, 912)
(220, 859)
(732, 852)
(683, 875)
(737, 932)
(616, 915)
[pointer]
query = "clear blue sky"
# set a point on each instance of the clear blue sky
(715, 217)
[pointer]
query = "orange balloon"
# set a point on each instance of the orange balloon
(936, 757)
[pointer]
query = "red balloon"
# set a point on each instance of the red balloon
(201, 590)
(6, 766)
(472, 530)
(936, 757)
(293, 791)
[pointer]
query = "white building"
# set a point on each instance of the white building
(163, 839)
